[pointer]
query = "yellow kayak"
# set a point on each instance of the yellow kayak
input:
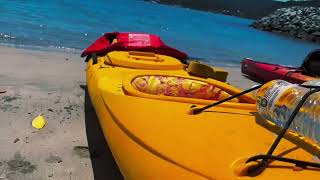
(146, 120)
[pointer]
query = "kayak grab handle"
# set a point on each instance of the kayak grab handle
(144, 56)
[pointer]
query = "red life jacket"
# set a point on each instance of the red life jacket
(132, 42)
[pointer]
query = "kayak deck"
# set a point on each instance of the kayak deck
(158, 139)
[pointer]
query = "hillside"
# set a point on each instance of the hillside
(244, 8)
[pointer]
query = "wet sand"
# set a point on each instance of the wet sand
(71, 145)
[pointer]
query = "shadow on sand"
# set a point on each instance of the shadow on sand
(103, 164)
(253, 79)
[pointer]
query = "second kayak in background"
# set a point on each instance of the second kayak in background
(265, 72)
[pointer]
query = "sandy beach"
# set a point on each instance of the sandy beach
(71, 145)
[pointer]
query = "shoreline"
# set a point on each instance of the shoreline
(57, 58)
(53, 84)
(77, 52)
(54, 49)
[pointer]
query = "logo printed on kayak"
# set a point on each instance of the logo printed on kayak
(139, 40)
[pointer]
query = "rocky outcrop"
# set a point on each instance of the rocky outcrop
(299, 22)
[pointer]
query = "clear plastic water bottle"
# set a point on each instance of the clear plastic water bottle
(277, 99)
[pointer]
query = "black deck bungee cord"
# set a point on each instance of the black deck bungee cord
(199, 110)
(259, 168)
(298, 163)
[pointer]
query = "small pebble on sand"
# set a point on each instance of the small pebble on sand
(16, 140)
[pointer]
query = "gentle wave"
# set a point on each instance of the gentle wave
(42, 48)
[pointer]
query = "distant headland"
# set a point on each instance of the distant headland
(296, 18)
(252, 9)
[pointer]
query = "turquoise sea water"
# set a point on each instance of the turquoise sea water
(71, 25)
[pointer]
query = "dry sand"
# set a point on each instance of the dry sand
(71, 145)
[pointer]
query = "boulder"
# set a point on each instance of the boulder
(299, 22)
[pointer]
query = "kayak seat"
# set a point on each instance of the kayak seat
(179, 87)
(205, 71)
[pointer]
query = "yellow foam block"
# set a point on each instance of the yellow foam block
(39, 122)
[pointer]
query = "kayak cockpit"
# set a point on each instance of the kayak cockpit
(179, 87)
(184, 89)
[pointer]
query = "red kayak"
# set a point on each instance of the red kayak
(266, 72)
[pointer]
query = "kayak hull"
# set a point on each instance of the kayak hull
(154, 138)
(265, 72)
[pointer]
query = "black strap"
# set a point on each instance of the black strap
(94, 58)
(199, 110)
(87, 58)
(298, 163)
(107, 55)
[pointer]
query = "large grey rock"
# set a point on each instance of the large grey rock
(300, 22)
